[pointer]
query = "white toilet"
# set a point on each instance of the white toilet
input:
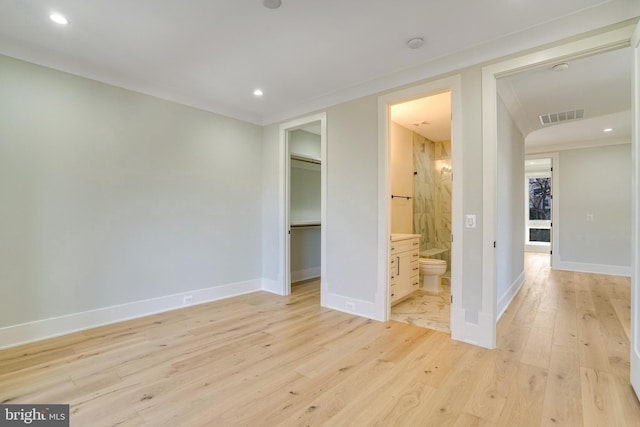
(431, 270)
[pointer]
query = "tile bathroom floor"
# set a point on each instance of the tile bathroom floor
(425, 309)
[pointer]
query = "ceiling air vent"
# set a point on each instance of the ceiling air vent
(547, 119)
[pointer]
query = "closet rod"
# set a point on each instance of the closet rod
(305, 225)
(401, 197)
(304, 159)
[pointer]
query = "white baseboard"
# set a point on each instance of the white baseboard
(309, 273)
(615, 270)
(458, 332)
(543, 249)
(506, 299)
(273, 286)
(471, 333)
(484, 332)
(360, 307)
(11, 336)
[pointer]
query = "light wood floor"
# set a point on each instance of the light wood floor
(262, 360)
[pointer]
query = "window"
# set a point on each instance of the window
(540, 199)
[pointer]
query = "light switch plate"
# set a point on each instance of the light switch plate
(470, 221)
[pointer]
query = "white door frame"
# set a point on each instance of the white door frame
(555, 196)
(635, 206)
(284, 229)
(607, 40)
(382, 300)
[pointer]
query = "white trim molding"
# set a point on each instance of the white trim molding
(283, 283)
(306, 274)
(382, 305)
(583, 267)
(24, 333)
(607, 39)
(511, 293)
(361, 308)
(635, 215)
(554, 247)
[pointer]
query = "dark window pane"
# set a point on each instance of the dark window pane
(540, 235)
(540, 199)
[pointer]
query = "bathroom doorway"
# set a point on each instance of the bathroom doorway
(420, 174)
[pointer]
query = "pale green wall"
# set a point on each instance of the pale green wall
(108, 196)
(595, 181)
(510, 205)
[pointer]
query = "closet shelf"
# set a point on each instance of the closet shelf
(306, 159)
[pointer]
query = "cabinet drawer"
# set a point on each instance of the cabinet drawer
(415, 268)
(415, 255)
(415, 282)
(400, 246)
(414, 243)
(393, 296)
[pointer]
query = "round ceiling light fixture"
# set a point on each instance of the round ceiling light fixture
(272, 4)
(258, 92)
(415, 42)
(558, 68)
(607, 130)
(58, 19)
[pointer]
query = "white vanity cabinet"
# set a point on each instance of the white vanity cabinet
(404, 268)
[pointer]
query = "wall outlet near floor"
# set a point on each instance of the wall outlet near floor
(351, 306)
(187, 300)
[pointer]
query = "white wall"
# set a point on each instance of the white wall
(305, 253)
(595, 181)
(510, 200)
(352, 195)
(109, 197)
(304, 203)
(471, 241)
(270, 192)
(304, 143)
(401, 177)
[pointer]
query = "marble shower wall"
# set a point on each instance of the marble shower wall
(432, 194)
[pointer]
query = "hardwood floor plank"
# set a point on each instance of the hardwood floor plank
(599, 399)
(260, 359)
(525, 399)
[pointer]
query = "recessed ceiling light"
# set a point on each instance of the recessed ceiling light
(258, 92)
(58, 19)
(272, 4)
(607, 130)
(415, 42)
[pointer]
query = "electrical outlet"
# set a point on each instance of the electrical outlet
(351, 306)
(187, 300)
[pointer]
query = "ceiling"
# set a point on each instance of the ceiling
(308, 54)
(599, 84)
(429, 117)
